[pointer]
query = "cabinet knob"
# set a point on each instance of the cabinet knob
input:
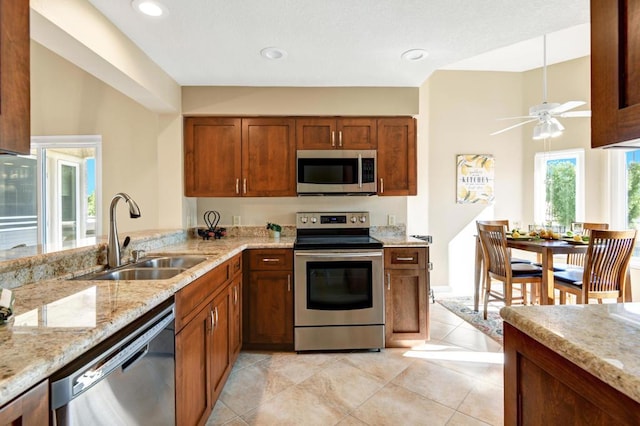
(237, 186)
(244, 185)
(381, 186)
(333, 138)
(213, 321)
(404, 259)
(388, 281)
(340, 138)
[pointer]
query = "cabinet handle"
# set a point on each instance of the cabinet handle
(388, 281)
(237, 186)
(404, 259)
(289, 282)
(213, 321)
(333, 138)
(340, 138)
(216, 310)
(381, 186)
(266, 259)
(244, 185)
(235, 295)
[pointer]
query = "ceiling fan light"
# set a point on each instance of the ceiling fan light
(537, 132)
(555, 128)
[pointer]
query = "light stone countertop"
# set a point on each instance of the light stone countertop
(602, 339)
(57, 320)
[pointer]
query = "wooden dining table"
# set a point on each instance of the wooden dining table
(545, 249)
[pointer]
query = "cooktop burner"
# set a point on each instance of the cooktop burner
(330, 230)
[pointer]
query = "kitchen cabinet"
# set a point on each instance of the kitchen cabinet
(205, 351)
(543, 387)
(234, 157)
(268, 301)
(397, 156)
(336, 133)
(30, 408)
(615, 72)
(406, 294)
(15, 127)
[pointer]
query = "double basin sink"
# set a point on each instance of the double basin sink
(151, 268)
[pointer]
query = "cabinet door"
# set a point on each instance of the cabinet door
(316, 133)
(357, 133)
(397, 159)
(220, 360)
(15, 128)
(30, 408)
(193, 395)
(212, 157)
(615, 72)
(270, 307)
(405, 306)
(235, 326)
(268, 157)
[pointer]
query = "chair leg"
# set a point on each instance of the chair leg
(508, 294)
(563, 297)
(486, 297)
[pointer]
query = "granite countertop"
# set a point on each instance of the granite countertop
(57, 320)
(602, 339)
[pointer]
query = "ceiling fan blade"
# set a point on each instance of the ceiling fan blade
(567, 106)
(576, 114)
(519, 116)
(514, 126)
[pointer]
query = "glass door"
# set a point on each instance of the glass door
(68, 201)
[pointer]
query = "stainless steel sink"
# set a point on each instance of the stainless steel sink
(155, 268)
(181, 261)
(131, 273)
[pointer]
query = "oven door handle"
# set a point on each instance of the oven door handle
(340, 255)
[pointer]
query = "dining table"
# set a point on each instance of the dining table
(545, 250)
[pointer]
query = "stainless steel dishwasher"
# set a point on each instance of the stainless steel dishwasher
(127, 380)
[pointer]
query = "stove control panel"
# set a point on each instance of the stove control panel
(332, 220)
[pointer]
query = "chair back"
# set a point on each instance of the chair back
(494, 247)
(578, 258)
(606, 263)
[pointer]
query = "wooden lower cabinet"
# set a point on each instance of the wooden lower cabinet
(30, 408)
(268, 321)
(206, 340)
(406, 294)
(543, 388)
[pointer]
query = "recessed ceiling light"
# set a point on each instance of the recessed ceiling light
(149, 7)
(413, 55)
(273, 53)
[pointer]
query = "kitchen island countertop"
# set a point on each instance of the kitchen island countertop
(602, 339)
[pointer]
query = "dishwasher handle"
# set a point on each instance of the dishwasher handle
(122, 354)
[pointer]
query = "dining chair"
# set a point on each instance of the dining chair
(499, 267)
(605, 271)
(577, 259)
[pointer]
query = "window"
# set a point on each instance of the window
(625, 191)
(50, 196)
(559, 187)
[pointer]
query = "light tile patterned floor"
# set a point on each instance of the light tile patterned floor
(454, 379)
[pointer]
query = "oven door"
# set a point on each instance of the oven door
(338, 287)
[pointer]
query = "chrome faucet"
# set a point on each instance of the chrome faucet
(113, 249)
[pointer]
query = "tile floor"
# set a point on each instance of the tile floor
(454, 379)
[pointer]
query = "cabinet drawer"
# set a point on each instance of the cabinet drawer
(235, 265)
(405, 258)
(271, 260)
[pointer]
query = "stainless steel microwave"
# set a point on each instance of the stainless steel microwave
(336, 172)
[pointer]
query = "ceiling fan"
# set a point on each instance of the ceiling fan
(546, 113)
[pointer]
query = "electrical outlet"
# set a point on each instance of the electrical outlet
(391, 220)
(236, 220)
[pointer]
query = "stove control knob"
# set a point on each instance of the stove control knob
(354, 219)
(303, 219)
(363, 219)
(314, 220)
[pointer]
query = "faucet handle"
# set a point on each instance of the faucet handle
(137, 255)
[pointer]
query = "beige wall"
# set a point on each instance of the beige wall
(67, 101)
(300, 101)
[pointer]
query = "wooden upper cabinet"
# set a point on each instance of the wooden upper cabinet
(397, 156)
(615, 72)
(336, 133)
(268, 157)
(212, 156)
(15, 127)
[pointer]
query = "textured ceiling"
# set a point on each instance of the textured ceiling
(343, 42)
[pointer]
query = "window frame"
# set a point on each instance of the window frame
(539, 188)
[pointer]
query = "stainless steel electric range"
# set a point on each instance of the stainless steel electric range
(339, 283)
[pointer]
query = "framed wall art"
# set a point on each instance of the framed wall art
(475, 179)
